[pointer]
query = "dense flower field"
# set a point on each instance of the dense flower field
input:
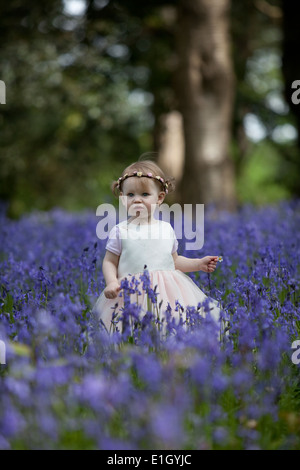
(68, 385)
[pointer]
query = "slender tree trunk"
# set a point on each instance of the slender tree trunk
(171, 144)
(205, 92)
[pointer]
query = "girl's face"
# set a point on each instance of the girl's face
(142, 195)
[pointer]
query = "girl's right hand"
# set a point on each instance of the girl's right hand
(112, 289)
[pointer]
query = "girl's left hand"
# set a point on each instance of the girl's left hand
(208, 263)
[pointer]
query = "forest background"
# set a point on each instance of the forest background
(209, 86)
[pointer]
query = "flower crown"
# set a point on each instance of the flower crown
(139, 174)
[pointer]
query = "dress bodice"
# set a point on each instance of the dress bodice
(148, 245)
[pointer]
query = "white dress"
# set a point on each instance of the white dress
(150, 247)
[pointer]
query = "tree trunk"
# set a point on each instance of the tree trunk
(205, 84)
(171, 144)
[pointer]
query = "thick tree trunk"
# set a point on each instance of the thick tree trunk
(205, 92)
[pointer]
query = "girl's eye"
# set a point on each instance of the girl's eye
(145, 194)
(130, 195)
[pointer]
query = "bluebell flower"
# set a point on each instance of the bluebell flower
(137, 388)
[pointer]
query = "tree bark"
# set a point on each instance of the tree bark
(205, 84)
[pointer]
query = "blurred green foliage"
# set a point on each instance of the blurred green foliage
(70, 120)
(84, 93)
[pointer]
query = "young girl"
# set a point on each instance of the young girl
(143, 241)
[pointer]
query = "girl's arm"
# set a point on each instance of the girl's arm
(110, 273)
(207, 264)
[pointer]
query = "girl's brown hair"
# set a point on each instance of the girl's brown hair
(146, 166)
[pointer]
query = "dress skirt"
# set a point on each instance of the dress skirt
(172, 289)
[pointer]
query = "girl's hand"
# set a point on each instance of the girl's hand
(112, 289)
(208, 263)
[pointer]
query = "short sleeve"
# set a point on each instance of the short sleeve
(114, 242)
